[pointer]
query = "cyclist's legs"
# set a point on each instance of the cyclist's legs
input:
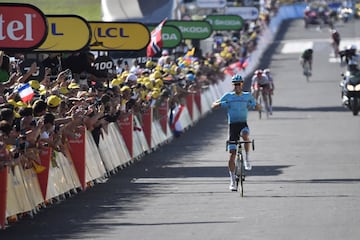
(245, 133)
(305, 60)
(231, 163)
(235, 130)
(255, 90)
(265, 93)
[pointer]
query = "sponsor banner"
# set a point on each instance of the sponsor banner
(197, 99)
(163, 112)
(126, 126)
(146, 125)
(62, 30)
(22, 26)
(113, 36)
(225, 22)
(189, 104)
(76, 148)
(45, 156)
(171, 36)
(192, 29)
(26, 65)
(104, 64)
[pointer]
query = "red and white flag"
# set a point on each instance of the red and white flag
(156, 42)
(26, 93)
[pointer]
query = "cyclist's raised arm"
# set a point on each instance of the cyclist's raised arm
(221, 102)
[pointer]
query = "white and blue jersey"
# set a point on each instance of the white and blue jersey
(237, 105)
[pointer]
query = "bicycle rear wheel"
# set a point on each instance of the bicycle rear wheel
(307, 71)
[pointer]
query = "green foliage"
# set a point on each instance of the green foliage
(88, 9)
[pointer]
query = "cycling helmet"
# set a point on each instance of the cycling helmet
(351, 47)
(237, 78)
(266, 70)
(259, 72)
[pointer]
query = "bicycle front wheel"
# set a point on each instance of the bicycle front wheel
(260, 102)
(240, 176)
(266, 103)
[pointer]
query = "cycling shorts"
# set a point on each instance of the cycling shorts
(235, 131)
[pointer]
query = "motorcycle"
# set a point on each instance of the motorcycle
(351, 91)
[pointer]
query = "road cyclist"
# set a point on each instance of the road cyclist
(306, 60)
(237, 104)
(272, 87)
(335, 36)
(260, 88)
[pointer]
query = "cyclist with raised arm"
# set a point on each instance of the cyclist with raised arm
(237, 104)
(307, 56)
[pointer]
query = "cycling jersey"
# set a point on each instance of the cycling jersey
(237, 105)
(263, 80)
(307, 55)
(336, 37)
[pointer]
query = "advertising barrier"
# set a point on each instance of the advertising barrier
(82, 162)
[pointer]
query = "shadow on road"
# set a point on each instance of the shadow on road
(311, 109)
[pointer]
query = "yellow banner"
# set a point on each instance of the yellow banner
(114, 36)
(66, 33)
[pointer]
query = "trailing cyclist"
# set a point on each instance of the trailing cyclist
(307, 57)
(237, 104)
(272, 87)
(335, 36)
(260, 82)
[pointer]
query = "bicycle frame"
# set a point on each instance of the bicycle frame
(239, 164)
(263, 100)
(306, 70)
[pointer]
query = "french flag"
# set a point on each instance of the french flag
(156, 43)
(26, 93)
(175, 124)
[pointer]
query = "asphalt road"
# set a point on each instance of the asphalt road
(305, 182)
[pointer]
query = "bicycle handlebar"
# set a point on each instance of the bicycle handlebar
(241, 142)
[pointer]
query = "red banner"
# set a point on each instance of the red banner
(163, 112)
(147, 122)
(189, 105)
(45, 157)
(197, 98)
(126, 127)
(76, 147)
(3, 196)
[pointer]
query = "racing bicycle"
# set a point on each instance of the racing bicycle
(239, 163)
(306, 70)
(263, 101)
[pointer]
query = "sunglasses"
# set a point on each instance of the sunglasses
(237, 84)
